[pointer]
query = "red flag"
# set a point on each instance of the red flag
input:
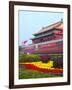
(24, 42)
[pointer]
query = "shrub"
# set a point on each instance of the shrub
(29, 58)
(58, 63)
(55, 56)
(57, 60)
(44, 58)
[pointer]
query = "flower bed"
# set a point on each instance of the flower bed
(34, 67)
(39, 64)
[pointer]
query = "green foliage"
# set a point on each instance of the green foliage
(58, 61)
(29, 58)
(27, 73)
(55, 56)
(44, 58)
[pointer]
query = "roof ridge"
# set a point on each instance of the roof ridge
(50, 27)
(53, 24)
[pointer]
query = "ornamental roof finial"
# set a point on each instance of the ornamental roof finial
(61, 20)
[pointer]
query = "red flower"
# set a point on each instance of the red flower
(33, 67)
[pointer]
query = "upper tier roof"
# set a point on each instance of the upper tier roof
(57, 25)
